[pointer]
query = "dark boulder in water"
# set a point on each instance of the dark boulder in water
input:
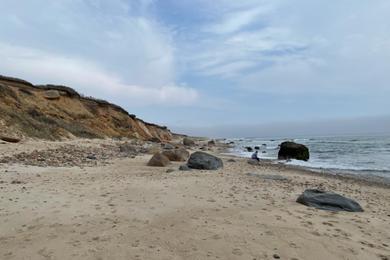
(257, 148)
(328, 201)
(204, 161)
(249, 149)
(291, 150)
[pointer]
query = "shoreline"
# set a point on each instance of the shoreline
(366, 179)
(120, 208)
(335, 173)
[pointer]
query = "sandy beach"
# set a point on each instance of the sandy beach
(123, 209)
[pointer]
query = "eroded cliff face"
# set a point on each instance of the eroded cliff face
(57, 112)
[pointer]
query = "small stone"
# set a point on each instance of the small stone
(276, 256)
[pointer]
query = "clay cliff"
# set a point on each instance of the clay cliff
(57, 112)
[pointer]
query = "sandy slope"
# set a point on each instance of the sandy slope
(129, 211)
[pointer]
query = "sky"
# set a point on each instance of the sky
(212, 67)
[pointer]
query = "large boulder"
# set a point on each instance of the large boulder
(291, 150)
(328, 201)
(188, 141)
(177, 155)
(204, 161)
(52, 94)
(158, 160)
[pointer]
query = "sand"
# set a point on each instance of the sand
(126, 210)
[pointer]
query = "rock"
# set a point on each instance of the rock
(253, 162)
(91, 157)
(168, 146)
(177, 155)
(128, 148)
(158, 160)
(184, 168)
(231, 160)
(204, 161)
(291, 150)
(170, 170)
(328, 201)
(249, 149)
(154, 140)
(273, 177)
(10, 139)
(257, 148)
(211, 143)
(52, 94)
(188, 141)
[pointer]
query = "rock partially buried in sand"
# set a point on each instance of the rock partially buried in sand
(272, 177)
(204, 161)
(158, 160)
(328, 201)
(10, 139)
(188, 141)
(291, 150)
(184, 168)
(177, 155)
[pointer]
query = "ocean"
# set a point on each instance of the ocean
(362, 155)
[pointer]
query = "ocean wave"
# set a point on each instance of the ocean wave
(331, 166)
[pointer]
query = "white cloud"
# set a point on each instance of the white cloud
(287, 47)
(109, 49)
(87, 77)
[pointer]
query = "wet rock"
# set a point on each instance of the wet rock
(328, 201)
(257, 148)
(249, 149)
(204, 161)
(177, 155)
(291, 150)
(158, 160)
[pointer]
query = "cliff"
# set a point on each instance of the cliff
(58, 112)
